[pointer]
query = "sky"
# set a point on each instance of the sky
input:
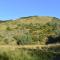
(12, 9)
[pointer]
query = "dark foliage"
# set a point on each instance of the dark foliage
(52, 39)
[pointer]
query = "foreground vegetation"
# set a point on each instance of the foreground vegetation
(27, 54)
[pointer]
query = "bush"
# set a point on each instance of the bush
(8, 28)
(23, 39)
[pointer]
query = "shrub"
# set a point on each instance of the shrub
(8, 28)
(23, 39)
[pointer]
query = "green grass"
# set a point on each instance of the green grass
(26, 54)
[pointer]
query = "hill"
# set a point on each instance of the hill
(30, 30)
(30, 38)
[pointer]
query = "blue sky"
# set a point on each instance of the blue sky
(11, 9)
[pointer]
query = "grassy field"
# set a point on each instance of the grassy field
(27, 54)
(30, 52)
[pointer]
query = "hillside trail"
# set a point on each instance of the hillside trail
(30, 46)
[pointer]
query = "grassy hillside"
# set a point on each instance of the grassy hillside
(30, 30)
